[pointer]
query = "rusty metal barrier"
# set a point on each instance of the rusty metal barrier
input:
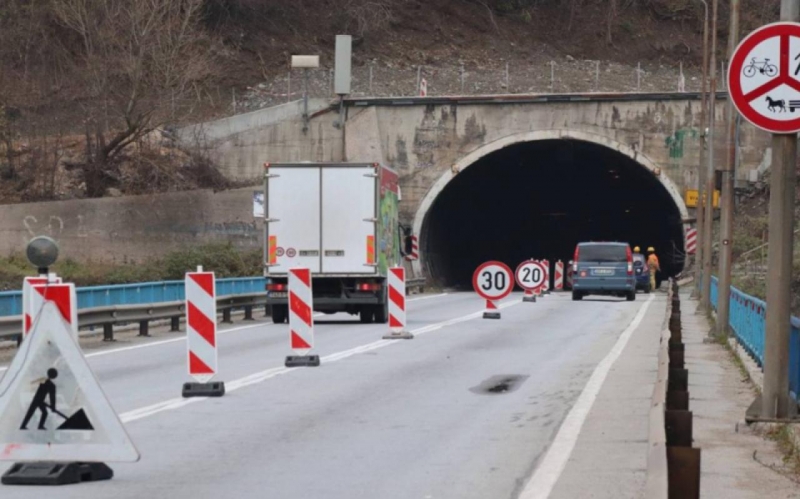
(673, 465)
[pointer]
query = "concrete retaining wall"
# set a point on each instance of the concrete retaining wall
(133, 228)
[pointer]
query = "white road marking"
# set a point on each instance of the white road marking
(182, 337)
(262, 376)
(547, 474)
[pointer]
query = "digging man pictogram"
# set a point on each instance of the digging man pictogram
(47, 389)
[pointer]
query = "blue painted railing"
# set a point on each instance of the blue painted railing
(133, 294)
(747, 320)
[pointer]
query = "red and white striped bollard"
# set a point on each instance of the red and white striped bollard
(201, 335)
(396, 280)
(301, 320)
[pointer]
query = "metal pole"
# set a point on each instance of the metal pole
(508, 86)
(638, 76)
(597, 76)
(708, 229)
(726, 198)
(701, 167)
(419, 78)
(462, 79)
(370, 80)
(775, 401)
(552, 76)
(305, 100)
(289, 87)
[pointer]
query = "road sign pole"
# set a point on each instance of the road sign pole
(709, 211)
(701, 165)
(726, 199)
(775, 397)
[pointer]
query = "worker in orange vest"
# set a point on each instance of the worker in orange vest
(652, 263)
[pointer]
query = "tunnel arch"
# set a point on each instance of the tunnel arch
(668, 189)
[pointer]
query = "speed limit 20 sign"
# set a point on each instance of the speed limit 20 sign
(531, 275)
(493, 280)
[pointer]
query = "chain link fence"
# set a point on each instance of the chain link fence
(387, 79)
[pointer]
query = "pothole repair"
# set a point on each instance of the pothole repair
(503, 383)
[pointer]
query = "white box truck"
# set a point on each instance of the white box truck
(340, 220)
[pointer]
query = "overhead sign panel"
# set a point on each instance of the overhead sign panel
(52, 407)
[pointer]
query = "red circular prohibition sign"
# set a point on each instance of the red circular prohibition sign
(742, 101)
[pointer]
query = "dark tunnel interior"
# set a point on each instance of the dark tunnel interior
(538, 200)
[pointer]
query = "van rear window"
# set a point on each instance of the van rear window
(602, 253)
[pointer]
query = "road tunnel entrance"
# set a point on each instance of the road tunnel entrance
(538, 199)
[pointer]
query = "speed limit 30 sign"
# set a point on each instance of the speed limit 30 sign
(492, 281)
(530, 276)
(764, 77)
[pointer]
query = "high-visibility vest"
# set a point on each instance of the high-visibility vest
(652, 261)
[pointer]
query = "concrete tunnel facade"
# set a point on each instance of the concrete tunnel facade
(536, 195)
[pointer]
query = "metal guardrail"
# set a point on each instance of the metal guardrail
(167, 303)
(137, 293)
(747, 320)
(141, 314)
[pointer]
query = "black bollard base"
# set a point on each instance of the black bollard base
(302, 361)
(212, 389)
(54, 473)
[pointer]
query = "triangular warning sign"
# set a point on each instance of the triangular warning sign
(52, 407)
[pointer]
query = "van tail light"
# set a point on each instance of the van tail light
(276, 287)
(630, 259)
(368, 286)
(575, 259)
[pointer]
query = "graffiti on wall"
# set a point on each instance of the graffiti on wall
(675, 142)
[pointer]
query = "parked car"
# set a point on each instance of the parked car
(642, 272)
(603, 269)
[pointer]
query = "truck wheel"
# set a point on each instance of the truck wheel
(367, 315)
(647, 288)
(631, 296)
(382, 313)
(280, 313)
(577, 296)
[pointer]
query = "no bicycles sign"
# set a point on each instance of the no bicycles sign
(764, 77)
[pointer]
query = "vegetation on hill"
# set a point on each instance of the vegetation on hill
(90, 88)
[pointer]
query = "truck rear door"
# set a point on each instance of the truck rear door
(293, 206)
(348, 219)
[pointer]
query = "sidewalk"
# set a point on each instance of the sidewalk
(719, 395)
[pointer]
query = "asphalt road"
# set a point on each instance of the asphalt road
(464, 410)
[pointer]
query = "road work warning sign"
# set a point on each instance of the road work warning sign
(52, 407)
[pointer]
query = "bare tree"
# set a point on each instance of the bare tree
(137, 58)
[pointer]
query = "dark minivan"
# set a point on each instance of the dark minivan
(603, 269)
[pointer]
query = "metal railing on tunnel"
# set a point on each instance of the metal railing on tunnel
(748, 322)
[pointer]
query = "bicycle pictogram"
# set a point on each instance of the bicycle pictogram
(770, 103)
(763, 67)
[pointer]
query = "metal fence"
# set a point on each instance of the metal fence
(138, 293)
(747, 321)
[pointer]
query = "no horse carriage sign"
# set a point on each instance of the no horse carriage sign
(764, 77)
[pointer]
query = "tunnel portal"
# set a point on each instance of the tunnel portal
(538, 200)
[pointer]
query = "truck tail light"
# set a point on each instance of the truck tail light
(276, 287)
(629, 256)
(368, 286)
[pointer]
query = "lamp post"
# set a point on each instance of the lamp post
(701, 165)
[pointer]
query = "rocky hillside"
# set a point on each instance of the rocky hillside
(86, 84)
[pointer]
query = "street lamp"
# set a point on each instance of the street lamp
(305, 62)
